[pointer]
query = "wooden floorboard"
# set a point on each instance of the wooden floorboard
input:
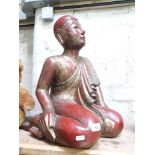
(122, 145)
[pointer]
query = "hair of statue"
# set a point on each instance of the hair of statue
(61, 21)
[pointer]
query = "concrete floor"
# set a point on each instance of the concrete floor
(122, 145)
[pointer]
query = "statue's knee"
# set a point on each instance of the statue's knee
(72, 133)
(79, 138)
(113, 124)
(87, 140)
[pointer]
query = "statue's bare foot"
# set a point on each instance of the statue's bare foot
(36, 132)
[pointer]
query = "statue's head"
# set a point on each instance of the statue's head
(69, 32)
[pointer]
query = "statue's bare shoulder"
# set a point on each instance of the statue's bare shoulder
(85, 59)
(53, 62)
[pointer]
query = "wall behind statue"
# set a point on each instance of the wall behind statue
(25, 54)
(109, 46)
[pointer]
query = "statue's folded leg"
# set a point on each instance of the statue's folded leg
(69, 131)
(113, 122)
(77, 112)
(72, 133)
(76, 126)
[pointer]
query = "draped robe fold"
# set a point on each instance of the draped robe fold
(84, 79)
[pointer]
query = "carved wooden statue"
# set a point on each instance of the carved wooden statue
(74, 112)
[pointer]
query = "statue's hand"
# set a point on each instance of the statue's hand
(46, 125)
(48, 117)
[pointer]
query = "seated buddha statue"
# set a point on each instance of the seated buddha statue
(68, 90)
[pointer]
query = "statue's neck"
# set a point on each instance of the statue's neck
(72, 53)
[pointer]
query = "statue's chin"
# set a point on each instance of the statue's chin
(79, 46)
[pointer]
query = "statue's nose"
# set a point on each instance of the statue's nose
(83, 32)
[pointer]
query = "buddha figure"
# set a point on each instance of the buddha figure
(74, 111)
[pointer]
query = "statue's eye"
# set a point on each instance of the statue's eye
(75, 27)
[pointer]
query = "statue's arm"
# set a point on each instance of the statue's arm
(43, 86)
(93, 75)
(100, 99)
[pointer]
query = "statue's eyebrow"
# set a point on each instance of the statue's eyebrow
(75, 23)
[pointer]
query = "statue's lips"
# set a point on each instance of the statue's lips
(82, 37)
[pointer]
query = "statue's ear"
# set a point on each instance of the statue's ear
(59, 36)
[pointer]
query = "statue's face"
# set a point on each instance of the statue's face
(73, 35)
